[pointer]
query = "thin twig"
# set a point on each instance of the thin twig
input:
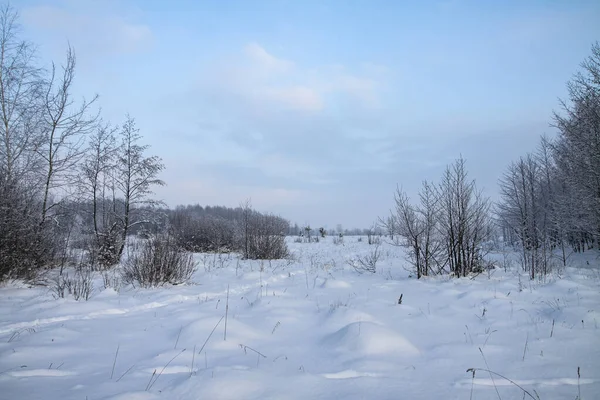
(244, 347)
(226, 313)
(125, 373)
(469, 332)
(488, 338)
(211, 332)
(503, 377)
(163, 369)
(578, 384)
(472, 383)
(179, 334)
(115, 362)
(193, 357)
(150, 381)
(525, 348)
(491, 377)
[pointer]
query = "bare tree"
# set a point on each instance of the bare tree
(552, 198)
(307, 231)
(404, 222)
(20, 105)
(417, 227)
(64, 129)
(246, 207)
(135, 175)
(464, 219)
(577, 151)
(96, 169)
(96, 185)
(25, 246)
(432, 246)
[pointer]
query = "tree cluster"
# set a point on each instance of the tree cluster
(220, 229)
(446, 230)
(63, 172)
(551, 197)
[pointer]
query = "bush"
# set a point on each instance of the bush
(219, 230)
(80, 286)
(25, 245)
(203, 234)
(104, 252)
(367, 263)
(265, 238)
(158, 260)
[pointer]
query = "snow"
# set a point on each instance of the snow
(312, 328)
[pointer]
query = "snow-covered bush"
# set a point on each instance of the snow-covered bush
(368, 262)
(79, 285)
(26, 246)
(156, 261)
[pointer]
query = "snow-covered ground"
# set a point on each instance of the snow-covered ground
(312, 328)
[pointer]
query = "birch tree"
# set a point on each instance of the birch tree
(65, 125)
(20, 105)
(135, 176)
(464, 219)
(577, 151)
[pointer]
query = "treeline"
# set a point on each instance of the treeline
(551, 197)
(304, 230)
(221, 229)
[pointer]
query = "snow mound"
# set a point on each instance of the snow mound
(367, 339)
(336, 284)
(348, 374)
(133, 396)
(40, 372)
(195, 333)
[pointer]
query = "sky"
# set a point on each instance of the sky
(318, 110)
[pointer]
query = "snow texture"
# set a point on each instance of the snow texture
(311, 328)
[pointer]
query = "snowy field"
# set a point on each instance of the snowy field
(311, 328)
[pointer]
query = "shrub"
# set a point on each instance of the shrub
(105, 253)
(25, 245)
(111, 281)
(158, 260)
(265, 239)
(219, 230)
(80, 285)
(203, 234)
(367, 263)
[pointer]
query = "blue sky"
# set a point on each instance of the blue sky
(316, 110)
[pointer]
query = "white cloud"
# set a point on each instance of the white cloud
(362, 89)
(266, 60)
(89, 29)
(270, 83)
(296, 97)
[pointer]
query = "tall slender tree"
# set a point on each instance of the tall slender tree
(135, 176)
